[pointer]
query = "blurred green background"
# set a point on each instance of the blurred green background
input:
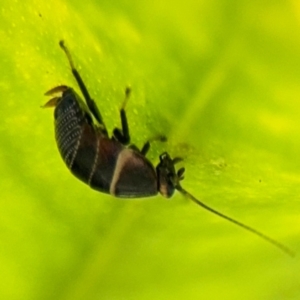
(222, 80)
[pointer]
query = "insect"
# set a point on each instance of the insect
(110, 164)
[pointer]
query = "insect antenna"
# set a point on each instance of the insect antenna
(256, 232)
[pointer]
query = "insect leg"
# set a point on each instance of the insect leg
(90, 102)
(146, 147)
(122, 135)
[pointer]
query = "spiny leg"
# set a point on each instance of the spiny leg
(90, 102)
(146, 147)
(122, 135)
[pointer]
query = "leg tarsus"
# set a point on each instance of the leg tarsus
(176, 160)
(127, 95)
(145, 148)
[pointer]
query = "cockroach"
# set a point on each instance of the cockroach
(111, 164)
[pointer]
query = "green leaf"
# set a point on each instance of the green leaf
(221, 80)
